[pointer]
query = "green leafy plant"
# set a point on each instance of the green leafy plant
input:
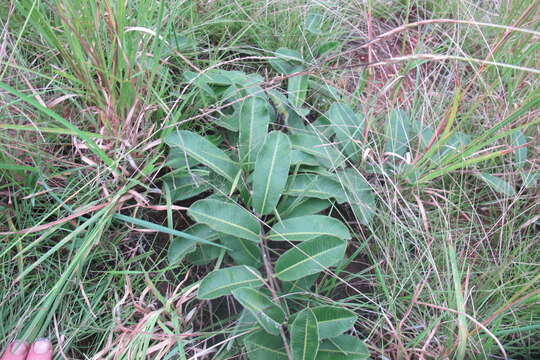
(262, 183)
(265, 179)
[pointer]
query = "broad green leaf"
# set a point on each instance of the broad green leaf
(308, 227)
(323, 128)
(295, 206)
(359, 195)
(206, 82)
(497, 184)
(291, 56)
(229, 122)
(179, 159)
(269, 315)
(221, 282)
(325, 152)
(333, 320)
(301, 285)
(210, 77)
(343, 347)
(301, 158)
(203, 255)
(352, 180)
(398, 132)
(262, 346)
(316, 186)
(310, 257)
(220, 77)
(182, 43)
(295, 123)
(347, 125)
(314, 22)
(204, 152)
(304, 336)
(239, 92)
(363, 206)
(423, 132)
(280, 102)
(246, 322)
(521, 154)
(231, 94)
(178, 249)
(242, 79)
(226, 217)
(297, 88)
(180, 246)
(529, 178)
(302, 112)
(188, 185)
(325, 90)
(243, 252)
(327, 47)
(271, 172)
(254, 118)
(271, 110)
(193, 77)
(456, 143)
(281, 66)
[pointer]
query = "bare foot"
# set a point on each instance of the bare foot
(41, 349)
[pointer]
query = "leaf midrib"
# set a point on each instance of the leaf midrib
(218, 289)
(249, 231)
(270, 178)
(308, 258)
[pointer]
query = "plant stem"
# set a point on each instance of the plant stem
(273, 286)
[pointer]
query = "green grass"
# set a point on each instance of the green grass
(441, 256)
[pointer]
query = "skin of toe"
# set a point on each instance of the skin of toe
(15, 351)
(34, 354)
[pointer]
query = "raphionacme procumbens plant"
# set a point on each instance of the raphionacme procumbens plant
(265, 181)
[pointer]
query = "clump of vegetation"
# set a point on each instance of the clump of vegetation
(270, 181)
